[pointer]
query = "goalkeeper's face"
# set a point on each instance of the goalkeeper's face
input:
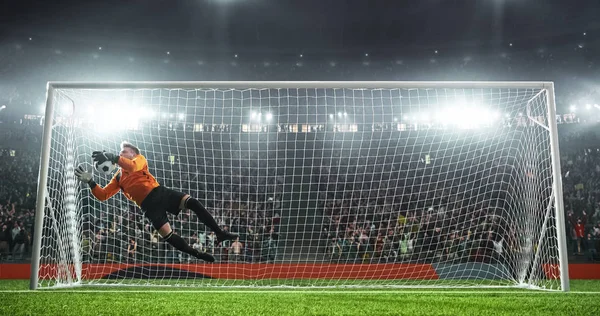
(128, 153)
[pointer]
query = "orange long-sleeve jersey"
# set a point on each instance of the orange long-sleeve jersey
(133, 178)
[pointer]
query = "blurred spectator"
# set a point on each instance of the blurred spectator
(131, 250)
(236, 250)
(5, 240)
(590, 247)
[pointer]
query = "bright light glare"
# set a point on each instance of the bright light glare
(340, 114)
(331, 116)
(467, 117)
(181, 116)
(105, 118)
(146, 114)
(66, 109)
(150, 114)
(269, 116)
(572, 108)
(588, 106)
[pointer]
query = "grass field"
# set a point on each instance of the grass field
(15, 299)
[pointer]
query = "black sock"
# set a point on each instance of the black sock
(178, 242)
(203, 215)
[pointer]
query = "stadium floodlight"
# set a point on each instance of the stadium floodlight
(424, 117)
(149, 113)
(501, 223)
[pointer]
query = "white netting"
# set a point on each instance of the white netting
(326, 187)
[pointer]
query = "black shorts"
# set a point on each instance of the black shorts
(160, 201)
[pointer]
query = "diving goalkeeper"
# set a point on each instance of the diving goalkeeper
(155, 200)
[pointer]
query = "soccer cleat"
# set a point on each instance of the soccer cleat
(226, 236)
(204, 256)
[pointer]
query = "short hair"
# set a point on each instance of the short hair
(130, 145)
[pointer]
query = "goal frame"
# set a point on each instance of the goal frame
(548, 86)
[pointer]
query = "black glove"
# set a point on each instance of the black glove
(102, 156)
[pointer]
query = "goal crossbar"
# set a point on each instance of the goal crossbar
(300, 84)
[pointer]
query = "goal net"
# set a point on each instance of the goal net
(332, 184)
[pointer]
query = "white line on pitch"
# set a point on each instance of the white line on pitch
(298, 291)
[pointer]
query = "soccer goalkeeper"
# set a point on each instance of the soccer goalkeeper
(155, 200)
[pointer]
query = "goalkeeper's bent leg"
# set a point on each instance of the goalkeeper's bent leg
(180, 244)
(203, 215)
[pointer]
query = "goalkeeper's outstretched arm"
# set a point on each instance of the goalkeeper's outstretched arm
(99, 192)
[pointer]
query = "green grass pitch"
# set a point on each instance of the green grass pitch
(15, 299)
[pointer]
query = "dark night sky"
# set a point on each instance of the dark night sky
(307, 25)
(555, 40)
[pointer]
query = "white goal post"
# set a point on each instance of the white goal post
(328, 184)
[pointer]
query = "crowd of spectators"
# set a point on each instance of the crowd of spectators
(18, 174)
(580, 162)
(445, 219)
(117, 231)
(368, 215)
(117, 236)
(425, 216)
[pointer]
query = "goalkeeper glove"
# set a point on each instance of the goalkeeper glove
(102, 156)
(83, 176)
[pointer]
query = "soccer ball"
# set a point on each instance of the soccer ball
(106, 167)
